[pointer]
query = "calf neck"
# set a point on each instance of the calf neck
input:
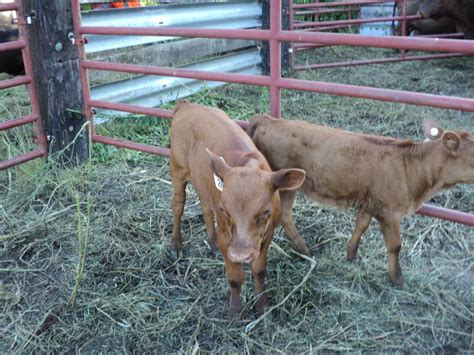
(380, 177)
(235, 184)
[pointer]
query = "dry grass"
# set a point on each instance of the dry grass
(134, 298)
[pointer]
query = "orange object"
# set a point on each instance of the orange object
(122, 4)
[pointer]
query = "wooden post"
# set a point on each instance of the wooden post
(285, 46)
(56, 72)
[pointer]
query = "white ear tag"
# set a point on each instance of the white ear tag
(434, 131)
(218, 181)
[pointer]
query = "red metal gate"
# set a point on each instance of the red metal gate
(27, 79)
(316, 8)
(274, 81)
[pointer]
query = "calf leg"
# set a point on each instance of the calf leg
(259, 271)
(391, 233)
(179, 198)
(235, 277)
(287, 198)
(211, 232)
(362, 222)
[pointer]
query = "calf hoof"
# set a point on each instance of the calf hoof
(351, 256)
(260, 305)
(351, 252)
(397, 281)
(174, 253)
(234, 311)
(301, 248)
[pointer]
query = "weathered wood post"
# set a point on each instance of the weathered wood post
(56, 71)
(285, 46)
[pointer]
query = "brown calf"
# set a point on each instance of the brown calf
(235, 184)
(462, 11)
(381, 177)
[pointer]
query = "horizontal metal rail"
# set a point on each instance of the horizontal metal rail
(123, 143)
(366, 92)
(148, 111)
(305, 24)
(9, 46)
(177, 72)
(296, 84)
(324, 11)
(446, 214)
(21, 159)
(423, 44)
(377, 61)
(17, 81)
(9, 6)
(252, 34)
(340, 3)
(18, 122)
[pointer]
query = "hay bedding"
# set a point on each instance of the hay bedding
(134, 298)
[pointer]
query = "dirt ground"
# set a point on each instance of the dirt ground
(84, 263)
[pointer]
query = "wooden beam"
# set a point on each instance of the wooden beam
(56, 72)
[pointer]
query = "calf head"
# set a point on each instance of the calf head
(249, 204)
(457, 152)
(433, 9)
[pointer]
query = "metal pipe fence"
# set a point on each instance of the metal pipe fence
(34, 117)
(342, 7)
(274, 81)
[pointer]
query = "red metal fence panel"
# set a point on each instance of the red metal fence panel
(274, 81)
(27, 80)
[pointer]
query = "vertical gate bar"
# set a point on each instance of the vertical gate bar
(275, 58)
(292, 28)
(83, 73)
(31, 86)
(404, 26)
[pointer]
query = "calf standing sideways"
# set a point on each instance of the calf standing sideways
(234, 183)
(381, 177)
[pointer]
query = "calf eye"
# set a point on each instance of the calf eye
(224, 212)
(263, 218)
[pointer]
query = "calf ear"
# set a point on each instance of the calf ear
(218, 165)
(431, 129)
(288, 179)
(452, 142)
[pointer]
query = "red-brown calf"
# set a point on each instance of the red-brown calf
(235, 184)
(381, 177)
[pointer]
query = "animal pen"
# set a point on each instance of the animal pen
(274, 35)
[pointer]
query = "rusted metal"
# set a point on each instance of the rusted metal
(21, 159)
(447, 214)
(17, 122)
(16, 81)
(376, 61)
(9, 46)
